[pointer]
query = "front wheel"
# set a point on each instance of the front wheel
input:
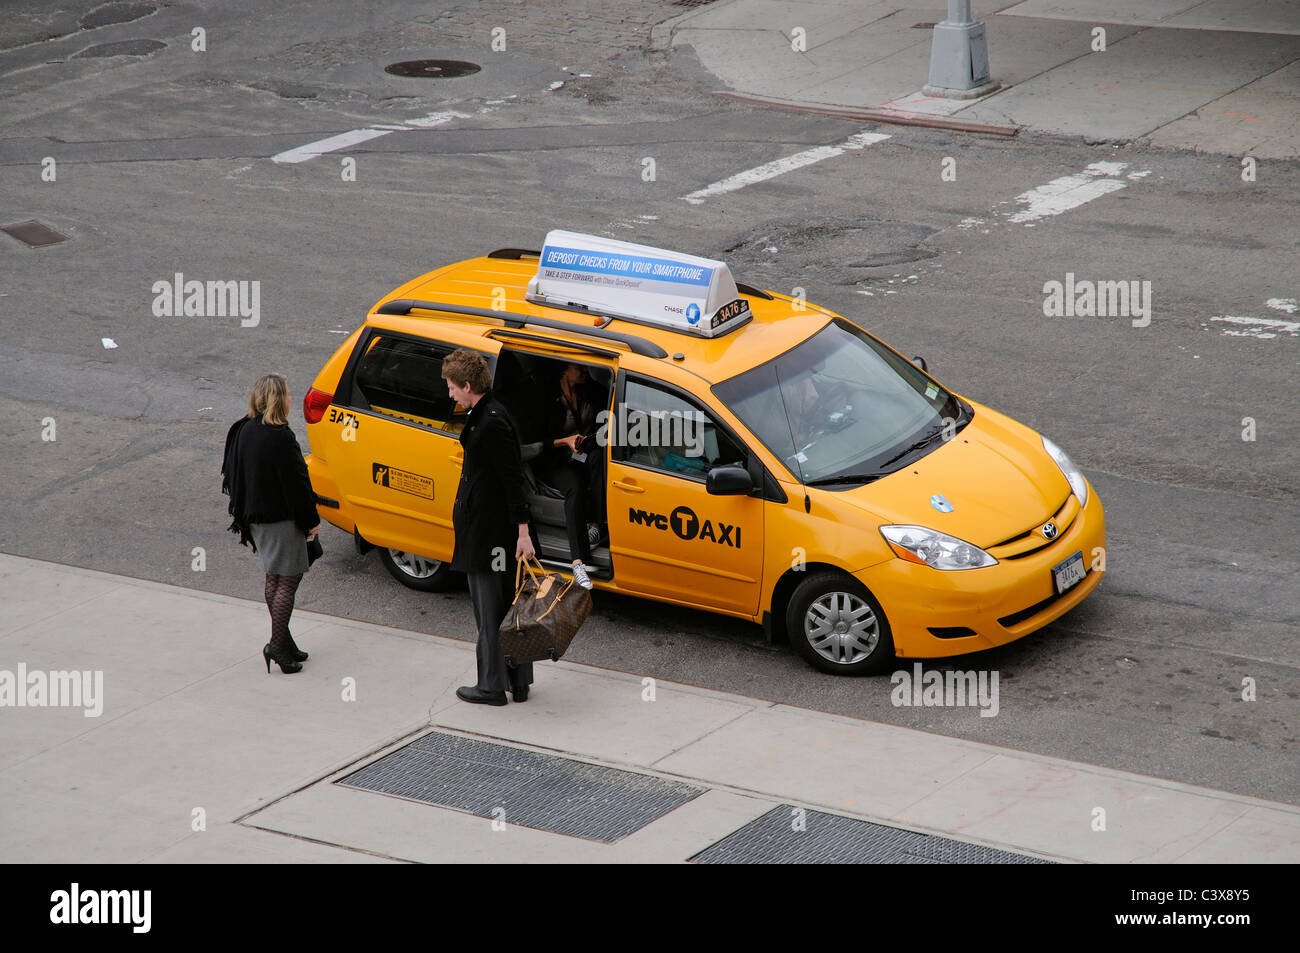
(416, 572)
(838, 626)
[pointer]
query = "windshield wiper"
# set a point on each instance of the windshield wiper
(916, 446)
(846, 478)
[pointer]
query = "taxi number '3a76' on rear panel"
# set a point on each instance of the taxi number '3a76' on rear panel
(1069, 573)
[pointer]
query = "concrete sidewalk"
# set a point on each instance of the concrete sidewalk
(200, 756)
(1218, 76)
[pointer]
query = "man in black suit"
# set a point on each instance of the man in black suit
(490, 520)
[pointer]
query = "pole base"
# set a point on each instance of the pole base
(959, 57)
(946, 93)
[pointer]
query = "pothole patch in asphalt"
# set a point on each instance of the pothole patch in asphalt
(288, 90)
(111, 13)
(138, 47)
(861, 243)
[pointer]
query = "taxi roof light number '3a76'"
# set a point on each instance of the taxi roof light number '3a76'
(638, 283)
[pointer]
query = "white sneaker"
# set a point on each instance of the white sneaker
(580, 575)
(593, 534)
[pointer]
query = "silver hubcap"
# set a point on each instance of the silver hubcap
(841, 627)
(417, 567)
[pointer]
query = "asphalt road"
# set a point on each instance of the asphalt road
(163, 165)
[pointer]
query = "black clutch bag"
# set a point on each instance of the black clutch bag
(314, 550)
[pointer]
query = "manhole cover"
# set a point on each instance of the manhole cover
(542, 791)
(789, 835)
(432, 69)
(34, 233)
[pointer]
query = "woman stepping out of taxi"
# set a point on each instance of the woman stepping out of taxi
(572, 461)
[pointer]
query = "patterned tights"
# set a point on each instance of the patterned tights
(280, 591)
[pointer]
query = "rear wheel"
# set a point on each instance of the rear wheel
(838, 626)
(416, 572)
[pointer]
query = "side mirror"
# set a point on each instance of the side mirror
(728, 481)
(920, 362)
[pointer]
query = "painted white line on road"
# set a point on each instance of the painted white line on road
(355, 137)
(771, 170)
(1282, 304)
(1259, 327)
(318, 148)
(1069, 191)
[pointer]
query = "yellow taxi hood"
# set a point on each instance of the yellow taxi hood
(994, 473)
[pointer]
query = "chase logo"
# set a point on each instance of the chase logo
(693, 313)
(940, 503)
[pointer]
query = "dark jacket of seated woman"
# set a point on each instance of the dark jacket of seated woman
(569, 412)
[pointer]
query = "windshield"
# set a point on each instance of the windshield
(842, 408)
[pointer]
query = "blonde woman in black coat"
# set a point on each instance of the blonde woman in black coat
(272, 506)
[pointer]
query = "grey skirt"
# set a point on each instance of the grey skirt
(282, 546)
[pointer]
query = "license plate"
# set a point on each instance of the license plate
(1069, 573)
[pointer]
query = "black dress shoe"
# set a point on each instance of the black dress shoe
(520, 694)
(476, 696)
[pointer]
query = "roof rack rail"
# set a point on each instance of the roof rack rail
(510, 334)
(753, 292)
(638, 345)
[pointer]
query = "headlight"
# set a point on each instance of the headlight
(937, 550)
(1072, 473)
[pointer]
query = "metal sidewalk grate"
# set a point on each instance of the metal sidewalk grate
(546, 792)
(832, 839)
(33, 233)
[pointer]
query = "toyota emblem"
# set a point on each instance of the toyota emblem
(1049, 530)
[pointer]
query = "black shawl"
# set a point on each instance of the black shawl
(232, 484)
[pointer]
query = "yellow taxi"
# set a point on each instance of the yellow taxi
(762, 457)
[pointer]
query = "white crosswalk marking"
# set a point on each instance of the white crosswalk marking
(777, 167)
(1069, 191)
(354, 137)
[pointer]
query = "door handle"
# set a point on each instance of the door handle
(459, 460)
(630, 487)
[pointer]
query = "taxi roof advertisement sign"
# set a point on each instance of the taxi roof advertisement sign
(637, 282)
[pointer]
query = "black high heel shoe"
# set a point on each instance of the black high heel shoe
(287, 665)
(298, 654)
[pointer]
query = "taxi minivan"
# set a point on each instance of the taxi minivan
(763, 457)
